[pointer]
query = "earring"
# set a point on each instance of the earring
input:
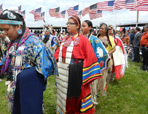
(19, 31)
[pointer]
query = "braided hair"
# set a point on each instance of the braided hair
(106, 29)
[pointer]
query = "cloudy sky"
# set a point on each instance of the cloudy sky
(123, 16)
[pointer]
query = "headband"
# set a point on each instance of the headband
(11, 22)
(76, 20)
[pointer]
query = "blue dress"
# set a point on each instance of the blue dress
(28, 95)
(100, 52)
(37, 64)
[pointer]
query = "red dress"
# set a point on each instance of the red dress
(90, 71)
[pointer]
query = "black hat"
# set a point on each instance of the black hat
(11, 17)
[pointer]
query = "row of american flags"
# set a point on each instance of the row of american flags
(94, 10)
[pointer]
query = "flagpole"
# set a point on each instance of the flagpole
(115, 21)
(61, 29)
(102, 19)
(137, 15)
(137, 18)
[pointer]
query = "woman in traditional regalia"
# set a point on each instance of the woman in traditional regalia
(78, 68)
(119, 56)
(27, 64)
(109, 44)
(48, 37)
(102, 56)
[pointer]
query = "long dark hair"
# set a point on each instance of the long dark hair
(89, 23)
(106, 29)
(114, 32)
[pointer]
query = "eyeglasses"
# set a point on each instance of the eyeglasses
(102, 28)
(69, 23)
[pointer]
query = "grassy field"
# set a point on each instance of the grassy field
(128, 95)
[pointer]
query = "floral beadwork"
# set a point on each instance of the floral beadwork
(67, 40)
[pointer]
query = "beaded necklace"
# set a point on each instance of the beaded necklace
(11, 51)
(72, 37)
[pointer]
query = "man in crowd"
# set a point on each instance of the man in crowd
(143, 43)
(136, 44)
(132, 35)
(49, 39)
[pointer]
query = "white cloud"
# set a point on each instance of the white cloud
(115, 17)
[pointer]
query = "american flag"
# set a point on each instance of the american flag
(143, 8)
(110, 6)
(63, 14)
(142, 2)
(1, 8)
(37, 14)
(35, 10)
(85, 11)
(23, 14)
(102, 5)
(119, 4)
(54, 12)
(79, 14)
(140, 8)
(105, 6)
(96, 15)
(130, 4)
(32, 11)
(57, 12)
(73, 10)
(93, 8)
(19, 9)
(43, 16)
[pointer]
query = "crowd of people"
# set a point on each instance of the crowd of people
(136, 42)
(84, 61)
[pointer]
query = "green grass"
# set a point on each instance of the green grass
(3, 102)
(129, 95)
